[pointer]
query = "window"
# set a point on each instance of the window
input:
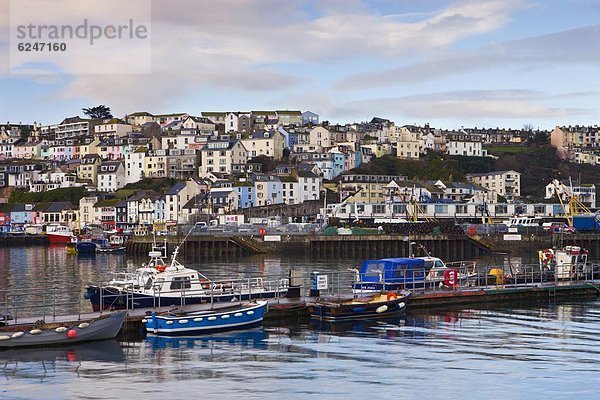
(441, 209)
(181, 283)
(379, 208)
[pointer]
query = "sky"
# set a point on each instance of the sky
(495, 63)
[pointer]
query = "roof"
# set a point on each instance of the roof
(114, 121)
(195, 201)
(109, 167)
(8, 207)
(307, 174)
(495, 173)
(178, 187)
(289, 112)
(288, 178)
(170, 115)
(107, 203)
(18, 207)
(140, 114)
(144, 194)
(59, 206)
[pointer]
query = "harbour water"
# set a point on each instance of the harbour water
(534, 351)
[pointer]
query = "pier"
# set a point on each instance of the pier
(294, 304)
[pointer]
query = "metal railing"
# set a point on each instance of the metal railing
(466, 278)
(40, 302)
(46, 304)
(160, 294)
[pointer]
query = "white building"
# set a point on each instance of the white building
(270, 144)
(309, 185)
(461, 144)
(87, 211)
(111, 176)
(220, 155)
(177, 197)
(113, 128)
(505, 183)
(586, 193)
(134, 165)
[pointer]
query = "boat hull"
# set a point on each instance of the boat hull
(109, 298)
(231, 318)
(55, 238)
(111, 250)
(357, 309)
(86, 248)
(98, 329)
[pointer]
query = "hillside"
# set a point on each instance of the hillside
(537, 164)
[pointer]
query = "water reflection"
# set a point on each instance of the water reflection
(543, 351)
(246, 338)
(104, 351)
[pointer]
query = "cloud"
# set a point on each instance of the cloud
(464, 104)
(244, 46)
(576, 46)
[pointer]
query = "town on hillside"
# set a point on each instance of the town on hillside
(150, 173)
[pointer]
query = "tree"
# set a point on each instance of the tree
(98, 112)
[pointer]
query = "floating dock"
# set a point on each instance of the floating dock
(296, 307)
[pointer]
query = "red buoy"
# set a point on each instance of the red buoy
(72, 334)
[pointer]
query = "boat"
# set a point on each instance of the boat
(59, 234)
(111, 249)
(222, 319)
(97, 244)
(569, 262)
(523, 220)
(104, 327)
(394, 274)
(379, 305)
(87, 244)
(161, 284)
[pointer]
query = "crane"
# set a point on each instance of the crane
(572, 206)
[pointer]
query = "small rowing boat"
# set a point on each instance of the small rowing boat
(104, 327)
(379, 305)
(221, 319)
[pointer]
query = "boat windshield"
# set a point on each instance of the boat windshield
(374, 269)
(148, 283)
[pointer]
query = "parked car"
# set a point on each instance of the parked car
(558, 227)
(246, 228)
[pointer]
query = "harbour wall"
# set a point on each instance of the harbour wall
(449, 247)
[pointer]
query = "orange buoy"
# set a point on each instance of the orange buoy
(391, 295)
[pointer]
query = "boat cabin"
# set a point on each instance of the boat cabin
(565, 263)
(393, 270)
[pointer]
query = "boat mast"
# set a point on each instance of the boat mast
(173, 259)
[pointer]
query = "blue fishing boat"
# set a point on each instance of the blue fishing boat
(99, 244)
(222, 319)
